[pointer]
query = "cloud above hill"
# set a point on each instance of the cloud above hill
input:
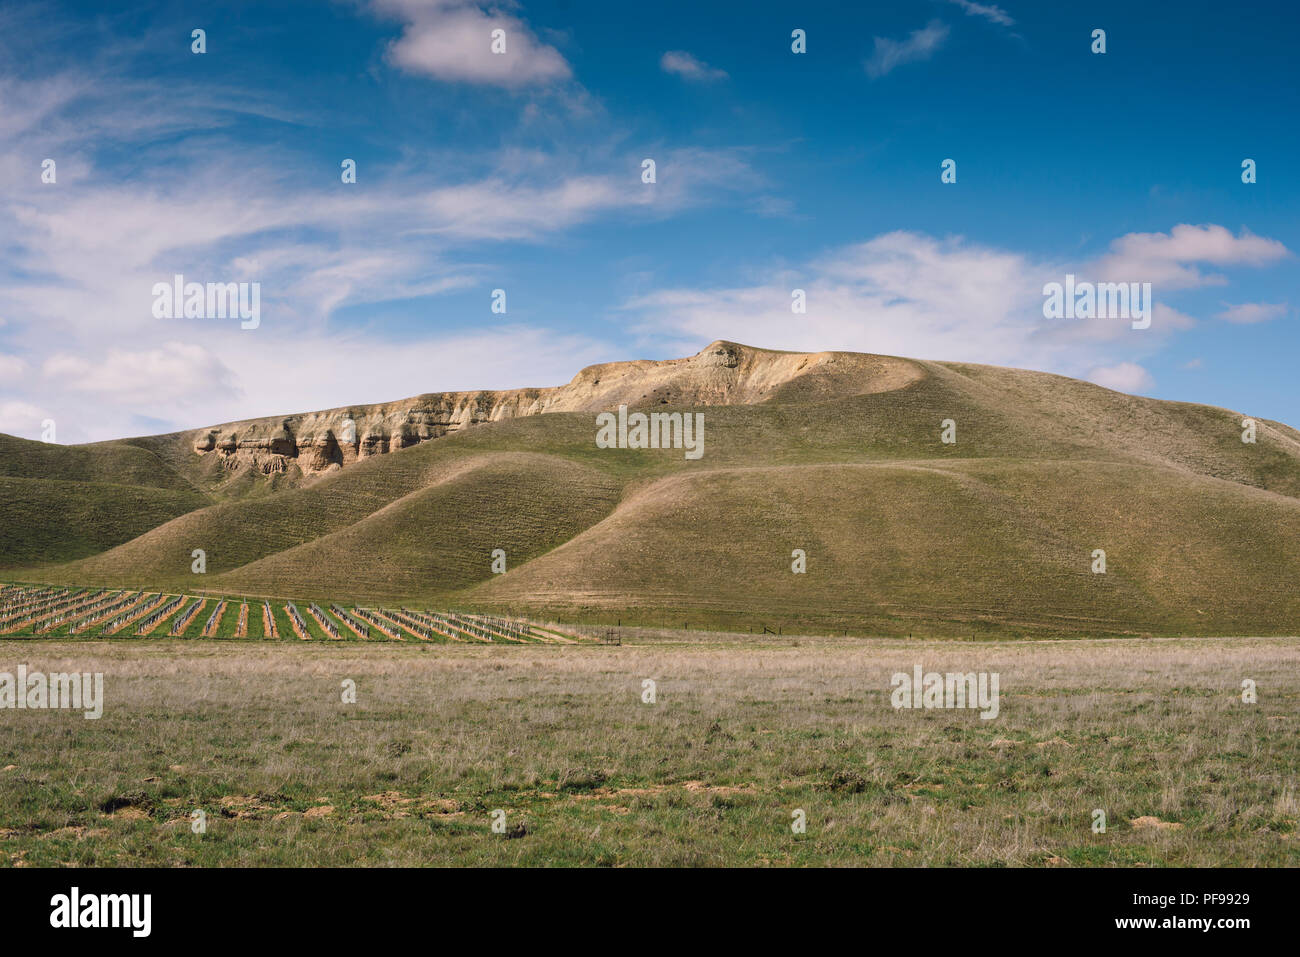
(1122, 377)
(910, 294)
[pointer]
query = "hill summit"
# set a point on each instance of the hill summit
(723, 373)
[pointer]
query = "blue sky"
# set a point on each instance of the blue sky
(775, 171)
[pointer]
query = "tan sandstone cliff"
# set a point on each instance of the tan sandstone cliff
(722, 373)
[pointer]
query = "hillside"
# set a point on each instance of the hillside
(838, 454)
(59, 503)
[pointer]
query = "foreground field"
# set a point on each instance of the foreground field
(743, 734)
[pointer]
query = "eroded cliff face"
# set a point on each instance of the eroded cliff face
(724, 373)
(320, 441)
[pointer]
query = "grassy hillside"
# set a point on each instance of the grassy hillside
(59, 503)
(114, 463)
(49, 521)
(902, 532)
(441, 538)
(968, 547)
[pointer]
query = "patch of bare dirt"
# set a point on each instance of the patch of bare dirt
(394, 804)
(243, 806)
(79, 831)
(1151, 821)
(130, 814)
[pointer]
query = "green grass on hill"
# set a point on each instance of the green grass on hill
(48, 521)
(108, 463)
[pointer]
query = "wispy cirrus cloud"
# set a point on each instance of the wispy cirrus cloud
(81, 344)
(919, 45)
(690, 67)
(989, 11)
(1251, 312)
(84, 261)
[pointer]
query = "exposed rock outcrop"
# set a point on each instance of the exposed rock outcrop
(723, 373)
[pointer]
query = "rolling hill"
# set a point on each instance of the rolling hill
(839, 455)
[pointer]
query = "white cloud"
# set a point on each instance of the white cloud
(21, 418)
(989, 11)
(1169, 259)
(351, 368)
(29, 104)
(77, 287)
(901, 293)
(1249, 312)
(452, 40)
(176, 374)
(11, 368)
(919, 45)
(1123, 377)
(80, 264)
(908, 294)
(1168, 318)
(181, 386)
(689, 67)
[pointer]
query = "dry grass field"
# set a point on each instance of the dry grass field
(744, 732)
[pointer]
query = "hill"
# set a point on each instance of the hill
(839, 455)
(59, 503)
